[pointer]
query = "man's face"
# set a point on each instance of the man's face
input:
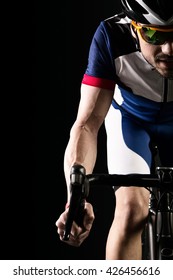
(159, 56)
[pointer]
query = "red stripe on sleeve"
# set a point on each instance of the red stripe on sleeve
(98, 82)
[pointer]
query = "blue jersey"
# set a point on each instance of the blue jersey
(114, 58)
(142, 107)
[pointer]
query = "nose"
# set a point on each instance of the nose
(167, 48)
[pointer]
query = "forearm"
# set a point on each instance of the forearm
(81, 149)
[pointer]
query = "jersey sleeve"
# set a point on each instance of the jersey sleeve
(100, 71)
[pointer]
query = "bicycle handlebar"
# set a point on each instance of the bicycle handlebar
(79, 189)
(80, 184)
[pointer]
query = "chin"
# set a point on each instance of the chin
(165, 73)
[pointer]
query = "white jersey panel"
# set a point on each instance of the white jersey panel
(135, 72)
(120, 159)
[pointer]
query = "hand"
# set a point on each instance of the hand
(78, 234)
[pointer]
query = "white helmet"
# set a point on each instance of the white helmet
(156, 12)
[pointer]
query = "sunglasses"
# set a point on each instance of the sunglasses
(154, 35)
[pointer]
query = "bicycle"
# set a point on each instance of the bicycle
(157, 237)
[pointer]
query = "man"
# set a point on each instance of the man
(134, 51)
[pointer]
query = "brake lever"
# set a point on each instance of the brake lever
(79, 189)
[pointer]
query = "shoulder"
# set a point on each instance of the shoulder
(118, 19)
(115, 27)
(119, 23)
(116, 32)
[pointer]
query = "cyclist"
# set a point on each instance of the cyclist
(128, 86)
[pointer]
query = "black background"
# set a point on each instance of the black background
(61, 35)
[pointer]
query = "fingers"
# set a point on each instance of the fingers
(89, 217)
(74, 238)
(78, 234)
(60, 223)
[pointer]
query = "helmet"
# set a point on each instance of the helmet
(157, 12)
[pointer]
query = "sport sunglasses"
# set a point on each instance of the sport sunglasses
(154, 35)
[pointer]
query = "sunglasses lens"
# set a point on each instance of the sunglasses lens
(155, 37)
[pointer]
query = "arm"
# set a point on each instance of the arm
(82, 147)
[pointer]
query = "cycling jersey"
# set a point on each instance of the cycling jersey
(141, 95)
